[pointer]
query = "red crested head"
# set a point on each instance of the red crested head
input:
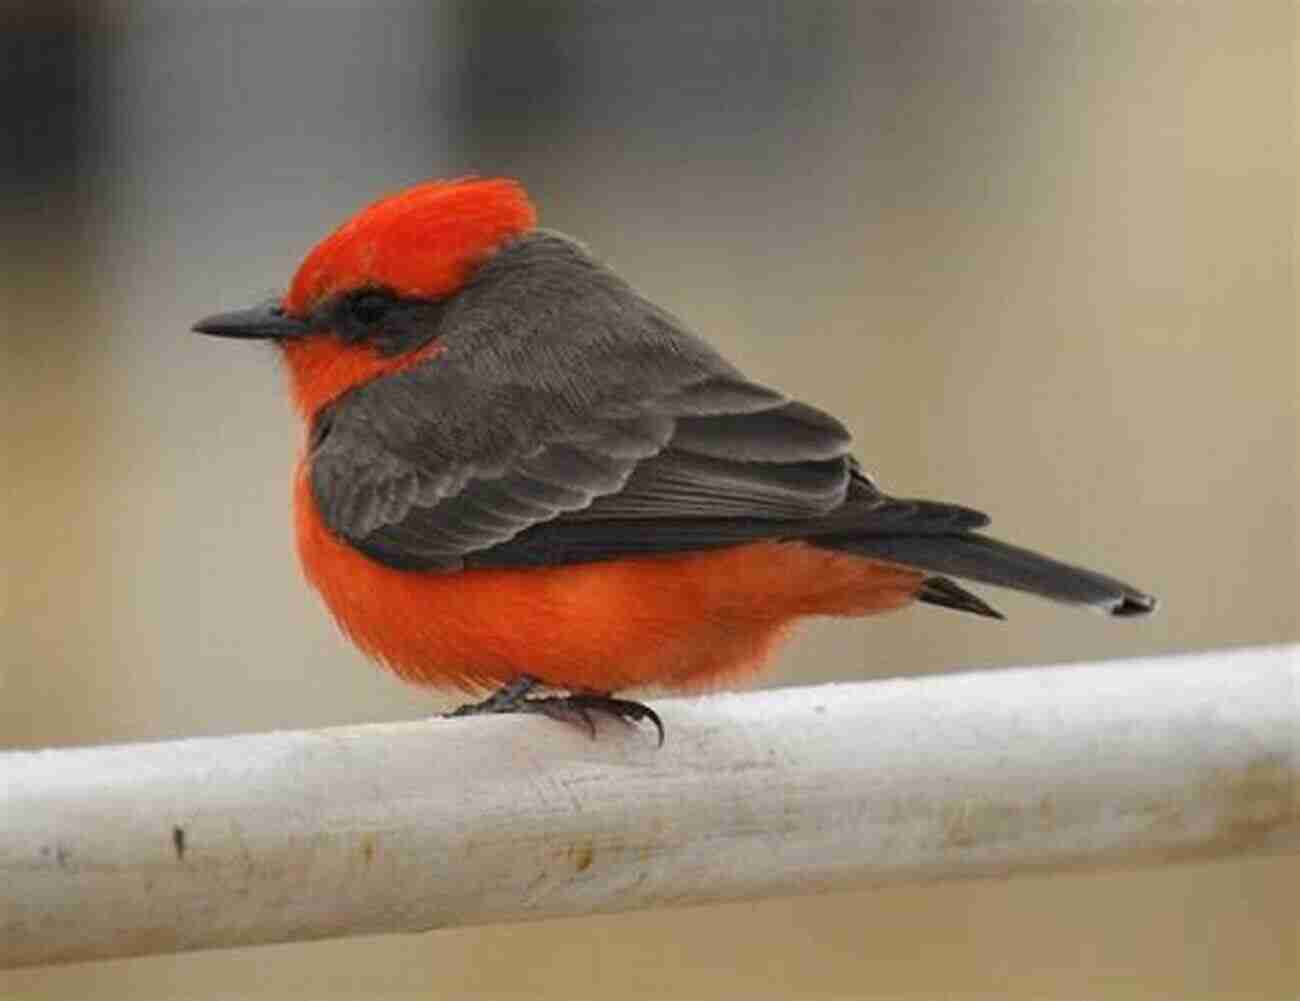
(401, 254)
(421, 243)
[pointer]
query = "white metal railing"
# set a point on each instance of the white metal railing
(192, 844)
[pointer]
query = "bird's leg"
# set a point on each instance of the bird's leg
(506, 699)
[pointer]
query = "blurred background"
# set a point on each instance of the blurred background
(1039, 256)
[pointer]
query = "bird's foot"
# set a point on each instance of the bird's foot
(581, 708)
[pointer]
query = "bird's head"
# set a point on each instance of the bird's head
(365, 301)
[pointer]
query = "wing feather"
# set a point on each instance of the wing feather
(569, 419)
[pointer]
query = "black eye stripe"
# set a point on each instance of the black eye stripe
(358, 315)
(381, 318)
(369, 306)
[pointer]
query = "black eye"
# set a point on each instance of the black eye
(380, 319)
(369, 308)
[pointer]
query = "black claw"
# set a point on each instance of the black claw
(581, 709)
(562, 710)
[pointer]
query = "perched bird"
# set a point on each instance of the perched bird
(520, 474)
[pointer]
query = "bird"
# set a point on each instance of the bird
(523, 479)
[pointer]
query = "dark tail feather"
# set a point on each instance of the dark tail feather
(942, 591)
(980, 558)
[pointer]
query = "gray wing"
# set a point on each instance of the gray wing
(568, 419)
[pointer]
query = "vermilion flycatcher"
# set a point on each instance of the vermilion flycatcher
(521, 473)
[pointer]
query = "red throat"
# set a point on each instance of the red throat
(321, 369)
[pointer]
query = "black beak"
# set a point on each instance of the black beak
(267, 321)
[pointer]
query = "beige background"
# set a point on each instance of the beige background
(1040, 257)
